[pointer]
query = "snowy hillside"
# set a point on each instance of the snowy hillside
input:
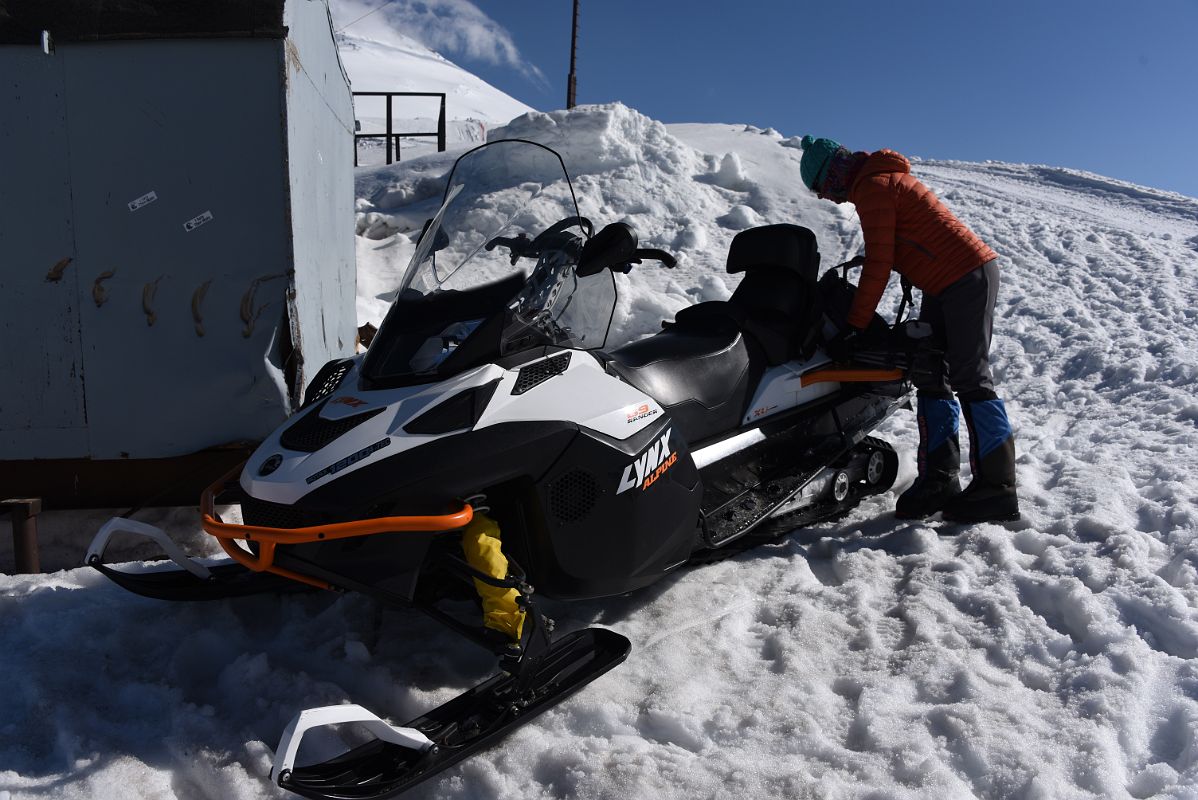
(873, 658)
(378, 57)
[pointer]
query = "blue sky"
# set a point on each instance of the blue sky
(1096, 85)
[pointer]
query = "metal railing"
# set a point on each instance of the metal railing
(390, 135)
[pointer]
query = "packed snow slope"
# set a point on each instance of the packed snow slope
(375, 60)
(872, 658)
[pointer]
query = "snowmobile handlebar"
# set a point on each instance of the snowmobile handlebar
(523, 247)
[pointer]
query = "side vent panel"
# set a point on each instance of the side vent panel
(536, 374)
(327, 380)
(572, 497)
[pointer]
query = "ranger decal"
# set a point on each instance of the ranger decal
(638, 413)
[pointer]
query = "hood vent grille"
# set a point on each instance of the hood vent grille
(311, 432)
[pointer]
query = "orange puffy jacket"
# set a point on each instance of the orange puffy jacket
(909, 230)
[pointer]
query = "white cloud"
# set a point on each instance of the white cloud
(450, 27)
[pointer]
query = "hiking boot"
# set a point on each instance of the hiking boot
(991, 495)
(927, 496)
(938, 458)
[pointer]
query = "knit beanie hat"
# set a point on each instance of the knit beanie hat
(816, 155)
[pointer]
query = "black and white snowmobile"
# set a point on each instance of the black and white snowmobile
(486, 443)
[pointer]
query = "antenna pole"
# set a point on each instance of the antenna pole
(572, 85)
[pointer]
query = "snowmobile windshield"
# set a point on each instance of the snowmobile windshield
(494, 271)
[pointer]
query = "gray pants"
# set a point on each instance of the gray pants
(962, 320)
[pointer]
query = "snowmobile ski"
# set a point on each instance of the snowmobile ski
(193, 580)
(224, 581)
(456, 730)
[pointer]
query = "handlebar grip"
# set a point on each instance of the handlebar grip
(665, 258)
(518, 248)
(496, 242)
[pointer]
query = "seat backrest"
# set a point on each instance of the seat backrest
(777, 296)
(790, 247)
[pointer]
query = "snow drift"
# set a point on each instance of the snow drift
(869, 658)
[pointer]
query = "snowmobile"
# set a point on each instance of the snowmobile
(486, 442)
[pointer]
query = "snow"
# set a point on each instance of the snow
(1056, 657)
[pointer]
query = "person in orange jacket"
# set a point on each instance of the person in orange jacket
(908, 230)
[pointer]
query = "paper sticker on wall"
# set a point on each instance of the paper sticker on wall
(143, 201)
(196, 222)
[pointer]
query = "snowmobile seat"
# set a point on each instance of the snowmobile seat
(700, 380)
(701, 366)
(776, 303)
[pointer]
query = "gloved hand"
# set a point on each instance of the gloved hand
(844, 343)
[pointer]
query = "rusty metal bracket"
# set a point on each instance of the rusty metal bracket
(24, 513)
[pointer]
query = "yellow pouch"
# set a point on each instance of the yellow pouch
(480, 543)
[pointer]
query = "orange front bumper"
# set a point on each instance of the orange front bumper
(269, 538)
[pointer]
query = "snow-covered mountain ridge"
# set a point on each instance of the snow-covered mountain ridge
(873, 658)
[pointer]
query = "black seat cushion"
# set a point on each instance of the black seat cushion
(776, 305)
(713, 316)
(701, 380)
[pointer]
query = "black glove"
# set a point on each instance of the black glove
(843, 344)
